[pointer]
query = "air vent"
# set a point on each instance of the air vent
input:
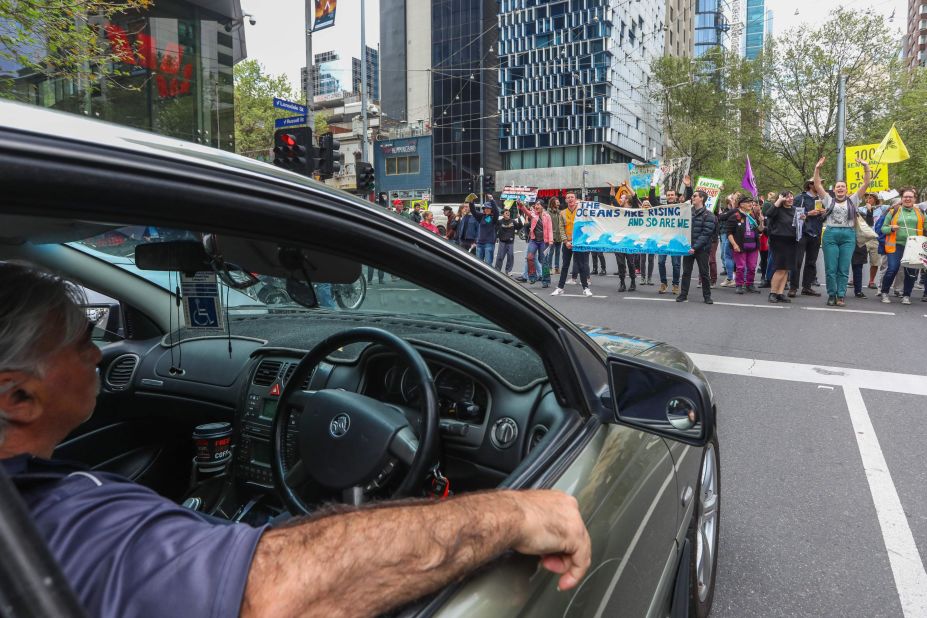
(267, 372)
(120, 372)
(289, 372)
(536, 435)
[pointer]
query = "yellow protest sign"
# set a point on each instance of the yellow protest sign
(855, 172)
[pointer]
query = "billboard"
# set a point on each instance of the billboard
(324, 14)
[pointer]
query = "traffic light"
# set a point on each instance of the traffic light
(293, 150)
(489, 183)
(330, 157)
(364, 175)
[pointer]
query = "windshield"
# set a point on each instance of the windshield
(373, 291)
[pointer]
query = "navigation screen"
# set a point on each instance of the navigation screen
(260, 453)
(269, 409)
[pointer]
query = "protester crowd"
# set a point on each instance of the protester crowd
(770, 244)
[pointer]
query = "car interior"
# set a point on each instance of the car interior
(253, 380)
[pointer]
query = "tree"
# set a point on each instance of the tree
(61, 38)
(801, 72)
(321, 123)
(254, 108)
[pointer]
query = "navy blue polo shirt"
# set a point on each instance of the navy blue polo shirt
(126, 551)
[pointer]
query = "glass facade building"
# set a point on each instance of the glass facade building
(755, 30)
(464, 88)
(325, 70)
(373, 74)
(711, 25)
(174, 65)
(575, 72)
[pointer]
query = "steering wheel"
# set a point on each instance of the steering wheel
(346, 441)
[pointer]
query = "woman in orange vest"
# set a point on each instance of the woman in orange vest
(899, 225)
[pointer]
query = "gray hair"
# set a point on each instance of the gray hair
(40, 313)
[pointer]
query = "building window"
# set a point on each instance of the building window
(396, 166)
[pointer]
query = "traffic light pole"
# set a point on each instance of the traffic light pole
(310, 9)
(363, 140)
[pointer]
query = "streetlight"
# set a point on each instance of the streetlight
(582, 132)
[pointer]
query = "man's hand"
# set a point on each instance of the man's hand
(553, 529)
(691, 251)
(687, 180)
(735, 247)
(569, 244)
(820, 163)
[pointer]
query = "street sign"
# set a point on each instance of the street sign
(292, 121)
(289, 106)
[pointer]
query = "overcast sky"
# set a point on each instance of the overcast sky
(277, 42)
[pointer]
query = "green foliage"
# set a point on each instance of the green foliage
(60, 38)
(320, 122)
(254, 107)
(781, 109)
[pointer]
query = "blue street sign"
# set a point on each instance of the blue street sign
(292, 121)
(289, 106)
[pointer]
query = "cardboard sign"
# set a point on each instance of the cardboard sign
(711, 186)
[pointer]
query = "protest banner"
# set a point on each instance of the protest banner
(856, 173)
(661, 230)
(528, 195)
(640, 176)
(711, 186)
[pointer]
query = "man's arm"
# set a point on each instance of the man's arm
(368, 561)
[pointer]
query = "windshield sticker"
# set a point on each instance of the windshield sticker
(202, 304)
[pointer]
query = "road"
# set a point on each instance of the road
(821, 422)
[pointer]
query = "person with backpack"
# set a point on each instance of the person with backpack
(840, 240)
(506, 230)
(898, 224)
(486, 232)
(742, 231)
(467, 228)
(727, 256)
(873, 206)
(782, 221)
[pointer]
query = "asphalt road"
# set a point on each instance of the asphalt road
(821, 422)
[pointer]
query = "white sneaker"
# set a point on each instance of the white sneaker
(557, 292)
(587, 292)
(906, 300)
(886, 299)
(571, 281)
(728, 283)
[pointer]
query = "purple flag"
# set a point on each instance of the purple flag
(749, 182)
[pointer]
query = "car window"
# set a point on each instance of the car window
(375, 291)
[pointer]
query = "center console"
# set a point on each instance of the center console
(254, 454)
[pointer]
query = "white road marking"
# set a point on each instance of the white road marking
(827, 388)
(907, 568)
(908, 384)
(717, 302)
(838, 309)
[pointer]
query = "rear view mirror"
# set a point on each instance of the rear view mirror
(186, 256)
(657, 399)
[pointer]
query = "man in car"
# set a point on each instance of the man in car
(128, 552)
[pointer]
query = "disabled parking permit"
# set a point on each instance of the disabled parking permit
(202, 304)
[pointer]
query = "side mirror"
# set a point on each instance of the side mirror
(668, 402)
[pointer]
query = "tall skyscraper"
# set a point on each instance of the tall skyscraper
(755, 28)
(405, 60)
(712, 25)
(556, 56)
(680, 28)
(464, 82)
(373, 74)
(915, 48)
(325, 81)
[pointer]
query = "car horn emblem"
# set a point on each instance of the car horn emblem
(339, 425)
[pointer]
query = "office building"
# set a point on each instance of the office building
(713, 26)
(680, 28)
(915, 48)
(464, 87)
(174, 73)
(755, 28)
(373, 75)
(556, 56)
(405, 61)
(326, 83)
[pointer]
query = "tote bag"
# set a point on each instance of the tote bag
(915, 252)
(864, 233)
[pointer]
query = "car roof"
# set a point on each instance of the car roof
(43, 122)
